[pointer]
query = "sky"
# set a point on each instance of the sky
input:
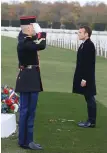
(82, 2)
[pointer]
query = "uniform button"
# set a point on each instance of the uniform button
(19, 77)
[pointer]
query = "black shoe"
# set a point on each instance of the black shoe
(24, 146)
(86, 124)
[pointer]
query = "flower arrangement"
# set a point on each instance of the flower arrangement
(9, 100)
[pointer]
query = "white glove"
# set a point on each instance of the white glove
(37, 28)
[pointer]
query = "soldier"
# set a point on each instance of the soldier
(28, 82)
(84, 77)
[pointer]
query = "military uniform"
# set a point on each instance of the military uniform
(28, 82)
(29, 75)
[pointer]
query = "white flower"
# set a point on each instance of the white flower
(16, 108)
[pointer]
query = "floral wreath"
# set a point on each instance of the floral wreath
(9, 100)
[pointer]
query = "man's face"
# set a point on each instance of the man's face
(31, 30)
(82, 34)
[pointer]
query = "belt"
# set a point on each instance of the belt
(28, 66)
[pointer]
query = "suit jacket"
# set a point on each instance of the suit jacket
(85, 69)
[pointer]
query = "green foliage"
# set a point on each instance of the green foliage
(91, 12)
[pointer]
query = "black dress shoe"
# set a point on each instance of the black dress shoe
(24, 146)
(86, 124)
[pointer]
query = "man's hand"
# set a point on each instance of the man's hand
(83, 83)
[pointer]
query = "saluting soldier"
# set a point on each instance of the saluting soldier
(84, 77)
(28, 82)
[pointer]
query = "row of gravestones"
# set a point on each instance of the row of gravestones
(57, 25)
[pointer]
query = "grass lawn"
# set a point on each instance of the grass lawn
(58, 109)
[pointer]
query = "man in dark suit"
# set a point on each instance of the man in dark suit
(28, 82)
(84, 77)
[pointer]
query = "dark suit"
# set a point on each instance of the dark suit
(28, 83)
(85, 69)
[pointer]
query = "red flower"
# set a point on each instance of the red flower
(8, 102)
(5, 91)
(16, 100)
(12, 107)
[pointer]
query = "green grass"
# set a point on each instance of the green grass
(57, 103)
(57, 69)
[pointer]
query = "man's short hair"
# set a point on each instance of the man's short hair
(87, 29)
